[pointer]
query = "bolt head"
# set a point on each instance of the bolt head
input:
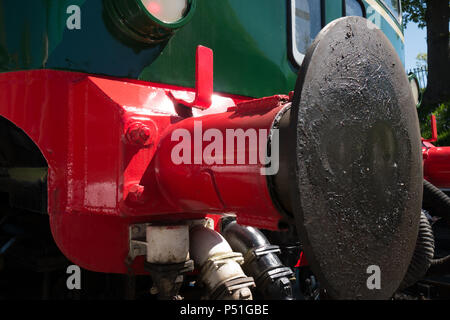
(138, 134)
(136, 230)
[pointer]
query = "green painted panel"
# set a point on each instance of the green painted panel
(30, 31)
(249, 39)
(333, 10)
(33, 35)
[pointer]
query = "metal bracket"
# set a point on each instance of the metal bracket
(138, 243)
(204, 80)
(434, 135)
(138, 233)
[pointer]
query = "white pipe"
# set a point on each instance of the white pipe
(218, 263)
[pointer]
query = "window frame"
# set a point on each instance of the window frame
(294, 54)
(344, 8)
(398, 17)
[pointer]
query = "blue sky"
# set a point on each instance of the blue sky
(415, 43)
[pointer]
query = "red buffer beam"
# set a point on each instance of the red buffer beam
(108, 144)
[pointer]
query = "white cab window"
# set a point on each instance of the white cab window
(306, 24)
(353, 8)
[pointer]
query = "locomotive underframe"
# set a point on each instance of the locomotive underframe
(96, 171)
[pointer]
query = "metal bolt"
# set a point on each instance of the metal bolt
(138, 134)
(136, 230)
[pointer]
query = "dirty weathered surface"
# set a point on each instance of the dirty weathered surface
(358, 175)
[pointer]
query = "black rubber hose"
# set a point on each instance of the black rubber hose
(441, 261)
(423, 254)
(440, 266)
(261, 261)
(435, 201)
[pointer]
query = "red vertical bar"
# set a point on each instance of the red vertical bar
(204, 76)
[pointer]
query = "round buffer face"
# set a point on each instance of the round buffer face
(357, 178)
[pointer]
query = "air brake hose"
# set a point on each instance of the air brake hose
(440, 266)
(436, 201)
(423, 254)
(261, 261)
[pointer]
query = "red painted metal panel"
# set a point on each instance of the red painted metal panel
(436, 166)
(107, 145)
(234, 188)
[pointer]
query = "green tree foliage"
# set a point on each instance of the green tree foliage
(422, 59)
(443, 125)
(434, 16)
(442, 114)
(414, 11)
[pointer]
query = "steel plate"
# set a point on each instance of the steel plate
(358, 170)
